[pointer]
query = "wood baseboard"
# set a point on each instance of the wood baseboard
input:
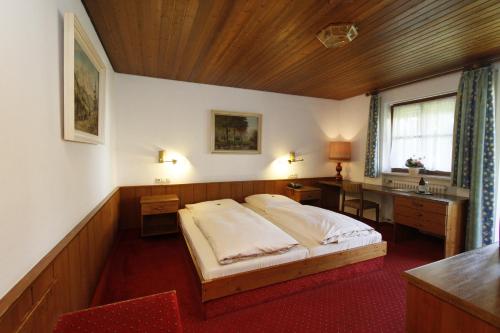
(64, 280)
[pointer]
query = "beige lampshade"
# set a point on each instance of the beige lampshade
(340, 150)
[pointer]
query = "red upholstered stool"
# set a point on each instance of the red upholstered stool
(151, 314)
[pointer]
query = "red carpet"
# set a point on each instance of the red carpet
(157, 313)
(370, 302)
(276, 291)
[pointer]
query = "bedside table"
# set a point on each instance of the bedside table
(159, 214)
(306, 195)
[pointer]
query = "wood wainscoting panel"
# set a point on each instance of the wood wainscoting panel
(213, 191)
(225, 190)
(200, 192)
(197, 192)
(65, 279)
(127, 199)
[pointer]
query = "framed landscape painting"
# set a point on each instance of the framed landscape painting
(84, 82)
(236, 132)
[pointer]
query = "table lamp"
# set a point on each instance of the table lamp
(340, 151)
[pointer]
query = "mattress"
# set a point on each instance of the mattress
(207, 262)
(314, 248)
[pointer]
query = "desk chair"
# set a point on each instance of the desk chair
(356, 190)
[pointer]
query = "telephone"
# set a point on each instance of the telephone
(294, 185)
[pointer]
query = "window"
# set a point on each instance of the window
(423, 128)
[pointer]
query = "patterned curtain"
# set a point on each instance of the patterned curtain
(474, 152)
(372, 144)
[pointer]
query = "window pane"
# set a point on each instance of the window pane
(424, 130)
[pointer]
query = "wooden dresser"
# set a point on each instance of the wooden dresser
(459, 294)
(445, 218)
(439, 214)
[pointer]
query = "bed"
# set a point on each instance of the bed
(263, 205)
(206, 262)
(314, 248)
(309, 257)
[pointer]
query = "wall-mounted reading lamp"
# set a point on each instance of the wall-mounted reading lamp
(161, 158)
(293, 158)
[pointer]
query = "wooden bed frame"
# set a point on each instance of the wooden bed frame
(240, 282)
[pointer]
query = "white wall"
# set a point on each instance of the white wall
(47, 185)
(154, 114)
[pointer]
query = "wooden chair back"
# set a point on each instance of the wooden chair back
(352, 189)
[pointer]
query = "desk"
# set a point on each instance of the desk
(457, 294)
(439, 214)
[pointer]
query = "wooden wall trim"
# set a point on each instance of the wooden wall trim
(303, 181)
(46, 285)
(196, 192)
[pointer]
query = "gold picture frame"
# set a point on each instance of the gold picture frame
(84, 85)
(235, 132)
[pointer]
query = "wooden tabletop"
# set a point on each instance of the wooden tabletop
(159, 198)
(470, 281)
(445, 198)
(305, 189)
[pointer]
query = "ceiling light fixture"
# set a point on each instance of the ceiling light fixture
(337, 35)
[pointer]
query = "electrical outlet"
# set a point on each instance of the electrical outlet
(293, 176)
(162, 181)
(157, 180)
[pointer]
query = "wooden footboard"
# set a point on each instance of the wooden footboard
(240, 282)
(233, 284)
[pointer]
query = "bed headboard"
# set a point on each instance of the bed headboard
(198, 192)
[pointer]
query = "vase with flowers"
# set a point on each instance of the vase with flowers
(414, 165)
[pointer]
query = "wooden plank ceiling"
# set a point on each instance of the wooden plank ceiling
(271, 45)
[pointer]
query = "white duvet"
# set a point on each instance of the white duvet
(238, 233)
(320, 224)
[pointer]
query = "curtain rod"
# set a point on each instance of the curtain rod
(471, 65)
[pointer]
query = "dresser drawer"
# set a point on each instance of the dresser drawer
(405, 210)
(425, 221)
(421, 205)
(434, 225)
(411, 221)
(308, 195)
(159, 207)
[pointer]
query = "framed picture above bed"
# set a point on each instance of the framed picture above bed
(236, 132)
(84, 85)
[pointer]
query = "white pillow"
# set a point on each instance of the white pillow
(209, 206)
(265, 201)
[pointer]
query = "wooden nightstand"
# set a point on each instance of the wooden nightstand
(306, 195)
(159, 214)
